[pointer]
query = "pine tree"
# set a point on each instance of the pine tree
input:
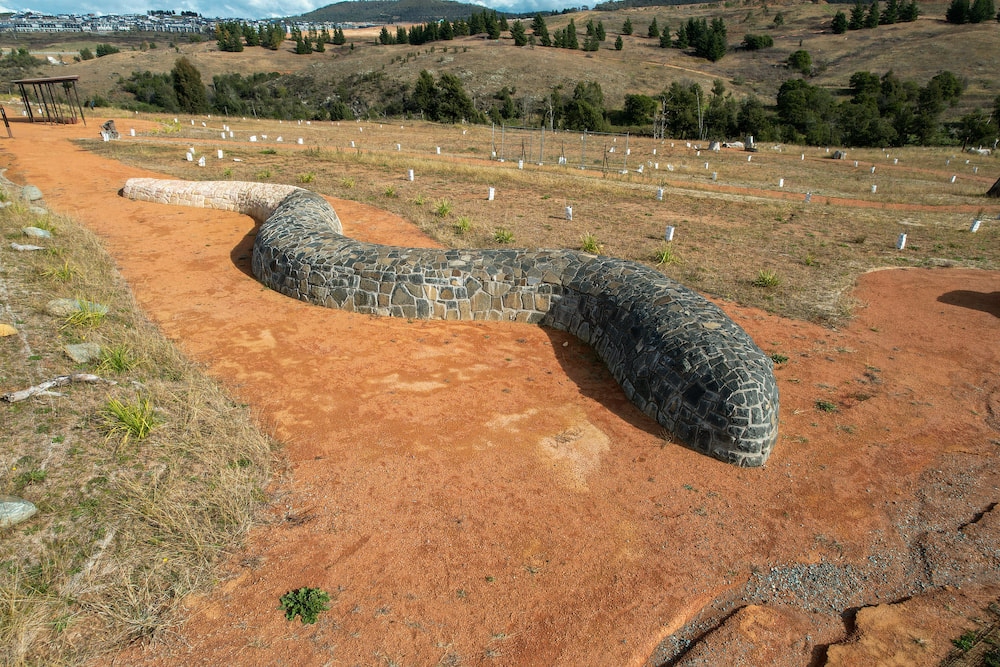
(871, 20)
(890, 14)
(683, 41)
(190, 92)
(571, 41)
(665, 42)
(982, 10)
(909, 12)
(540, 30)
(618, 43)
(518, 33)
(251, 36)
(839, 23)
(338, 37)
(627, 27)
(601, 35)
(958, 12)
(857, 21)
(654, 30)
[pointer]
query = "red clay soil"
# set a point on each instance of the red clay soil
(483, 493)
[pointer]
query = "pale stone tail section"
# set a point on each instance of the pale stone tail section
(677, 356)
(258, 200)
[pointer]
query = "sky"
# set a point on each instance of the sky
(235, 8)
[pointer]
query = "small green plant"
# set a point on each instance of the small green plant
(227, 173)
(503, 235)
(463, 225)
(589, 243)
(809, 260)
(306, 603)
(826, 406)
(117, 358)
(420, 200)
(443, 208)
(389, 192)
(767, 278)
(88, 315)
(992, 658)
(63, 273)
(347, 182)
(665, 255)
(27, 478)
(966, 641)
(778, 358)
(129, 420)
(308, 177)
(268, 151)
(263, 174)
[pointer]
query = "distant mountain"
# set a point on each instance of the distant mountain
(392, 11)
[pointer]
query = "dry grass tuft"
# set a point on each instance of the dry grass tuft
(123, 532)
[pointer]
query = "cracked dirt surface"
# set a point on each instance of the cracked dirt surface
(483, 493)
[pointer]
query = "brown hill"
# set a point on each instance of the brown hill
(916, 51)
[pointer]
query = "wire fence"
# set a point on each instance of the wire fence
(604, 151)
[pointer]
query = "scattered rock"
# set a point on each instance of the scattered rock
(839, 155)
(37, 232)
(5, 204)
(25, 248)
(31, 193)
(64, 307)
(14, 510)
(83, 353)
(38, 210)
(7, 330)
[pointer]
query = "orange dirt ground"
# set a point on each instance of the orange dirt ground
(483, 493)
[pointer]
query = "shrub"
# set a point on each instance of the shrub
(665, 255)
(590, 244)
(306, 603)
(308, 177)
(129, 420)
(105, 50)
(767, 278)
(117, 358)
(800, 61)
(503, 235)
(443, 208)
(463, 225)
(757, 42)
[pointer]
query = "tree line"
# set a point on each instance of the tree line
(879, 111)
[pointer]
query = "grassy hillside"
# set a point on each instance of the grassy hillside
(915, 51)
(392, 11)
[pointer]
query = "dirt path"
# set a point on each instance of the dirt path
(482, 493)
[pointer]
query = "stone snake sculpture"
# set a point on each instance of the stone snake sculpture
(677, 356)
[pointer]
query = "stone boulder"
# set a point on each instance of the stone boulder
(109, 131)
(30, 193)
(14, 510)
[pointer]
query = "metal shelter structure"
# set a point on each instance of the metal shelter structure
(54, 96)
